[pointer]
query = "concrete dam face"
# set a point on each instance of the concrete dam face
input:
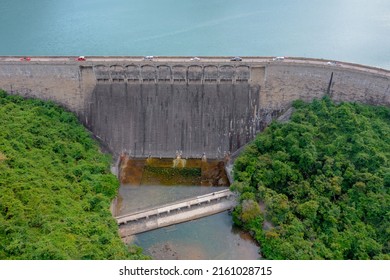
(162, 118)
(173, 105)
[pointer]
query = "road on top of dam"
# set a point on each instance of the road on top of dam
(186, 59)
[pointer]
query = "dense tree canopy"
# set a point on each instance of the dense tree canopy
(321, 183)
(55, 187)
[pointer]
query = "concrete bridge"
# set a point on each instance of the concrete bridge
(212, 105)
(177, 212)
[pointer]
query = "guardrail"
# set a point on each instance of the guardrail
(167, 208)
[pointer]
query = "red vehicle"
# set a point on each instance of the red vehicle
(26, 58)
(81, 58)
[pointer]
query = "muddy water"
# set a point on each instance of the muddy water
(210, 238)
(152, 182)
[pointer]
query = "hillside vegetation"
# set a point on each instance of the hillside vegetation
(318, 187)
(55, 187)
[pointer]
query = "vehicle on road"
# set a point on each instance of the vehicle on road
(149, 57)
(236, 58)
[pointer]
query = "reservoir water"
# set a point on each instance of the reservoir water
(347, 30)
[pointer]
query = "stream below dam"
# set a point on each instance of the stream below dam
(151, 182)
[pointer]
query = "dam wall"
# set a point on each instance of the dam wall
(175, 105)
(64, 83)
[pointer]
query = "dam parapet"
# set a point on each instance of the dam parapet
(208, 107)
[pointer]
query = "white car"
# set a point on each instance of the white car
(195, 58)
(278, 58)
(236, 58)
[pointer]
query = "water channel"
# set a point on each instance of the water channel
(152, 182)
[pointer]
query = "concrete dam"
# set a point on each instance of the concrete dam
(169, 105)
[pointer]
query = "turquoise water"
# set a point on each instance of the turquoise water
(348, 30)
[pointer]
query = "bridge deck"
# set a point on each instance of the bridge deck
(174, 213)
(178, 205)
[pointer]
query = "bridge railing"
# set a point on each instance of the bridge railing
(167, 208)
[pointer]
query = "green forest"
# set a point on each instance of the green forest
(318, 186)
(55, 187)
